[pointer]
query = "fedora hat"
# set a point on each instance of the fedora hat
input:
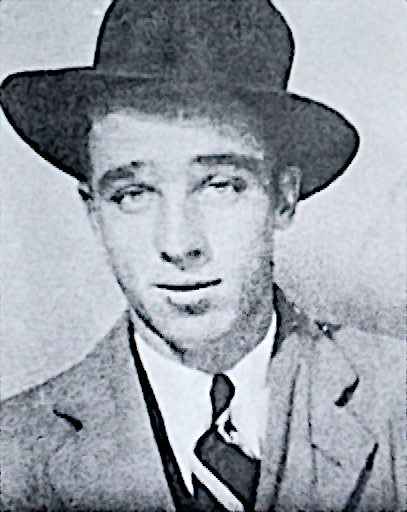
(234, 56)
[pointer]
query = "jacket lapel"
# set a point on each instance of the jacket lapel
(286, 421)
(284, 379)
(112, 461)
(345, 447)
(317, 452)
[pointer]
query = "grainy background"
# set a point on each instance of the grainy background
(344, 257)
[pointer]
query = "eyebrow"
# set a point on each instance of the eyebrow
(239, 161)
(127, 172)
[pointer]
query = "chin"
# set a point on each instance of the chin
(190, 330)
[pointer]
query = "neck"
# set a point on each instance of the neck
(225, 352)
(221, 353)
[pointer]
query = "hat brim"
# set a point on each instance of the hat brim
(50, 111)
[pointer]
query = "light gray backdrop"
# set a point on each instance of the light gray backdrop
(345, 257)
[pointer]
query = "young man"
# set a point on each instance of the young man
(212, 391)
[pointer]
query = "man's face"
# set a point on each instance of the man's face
(183, 212)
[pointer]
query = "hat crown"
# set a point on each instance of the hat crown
(220, 41)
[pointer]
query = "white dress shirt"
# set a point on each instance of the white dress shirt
(183, 396)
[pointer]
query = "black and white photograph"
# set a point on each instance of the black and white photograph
(203, 255)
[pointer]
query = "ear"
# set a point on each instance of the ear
(289, 187)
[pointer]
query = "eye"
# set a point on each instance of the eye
(132, 199)
(233, 184)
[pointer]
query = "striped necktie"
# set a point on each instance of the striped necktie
(217, 452)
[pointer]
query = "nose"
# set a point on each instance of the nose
(182, 241)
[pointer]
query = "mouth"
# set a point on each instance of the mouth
(189, 287)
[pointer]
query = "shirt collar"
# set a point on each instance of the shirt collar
(249, 404)
(183, 396)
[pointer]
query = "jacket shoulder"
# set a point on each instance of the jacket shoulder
(377, 358)
(378, 364)
(29, 432)
(379, 361)
(97, 361)
(33, 428)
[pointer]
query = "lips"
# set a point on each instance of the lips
(189, 287)
(189, 298)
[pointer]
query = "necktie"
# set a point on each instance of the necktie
(238, 472)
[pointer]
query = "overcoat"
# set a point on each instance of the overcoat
(335, 436)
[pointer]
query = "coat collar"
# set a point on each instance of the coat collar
(343, 445)
(112, 462)
(315, 451)
(318, 450)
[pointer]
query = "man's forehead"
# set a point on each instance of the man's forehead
(126, 136)
(123, 120)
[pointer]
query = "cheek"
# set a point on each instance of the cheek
(125, 238)
(242, 231)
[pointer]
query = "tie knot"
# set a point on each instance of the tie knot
(221, 394)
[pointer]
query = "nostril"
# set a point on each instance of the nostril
(165, 257)
(175, 260)
(196, 253)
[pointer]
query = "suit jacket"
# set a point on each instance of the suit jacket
(335, 437)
